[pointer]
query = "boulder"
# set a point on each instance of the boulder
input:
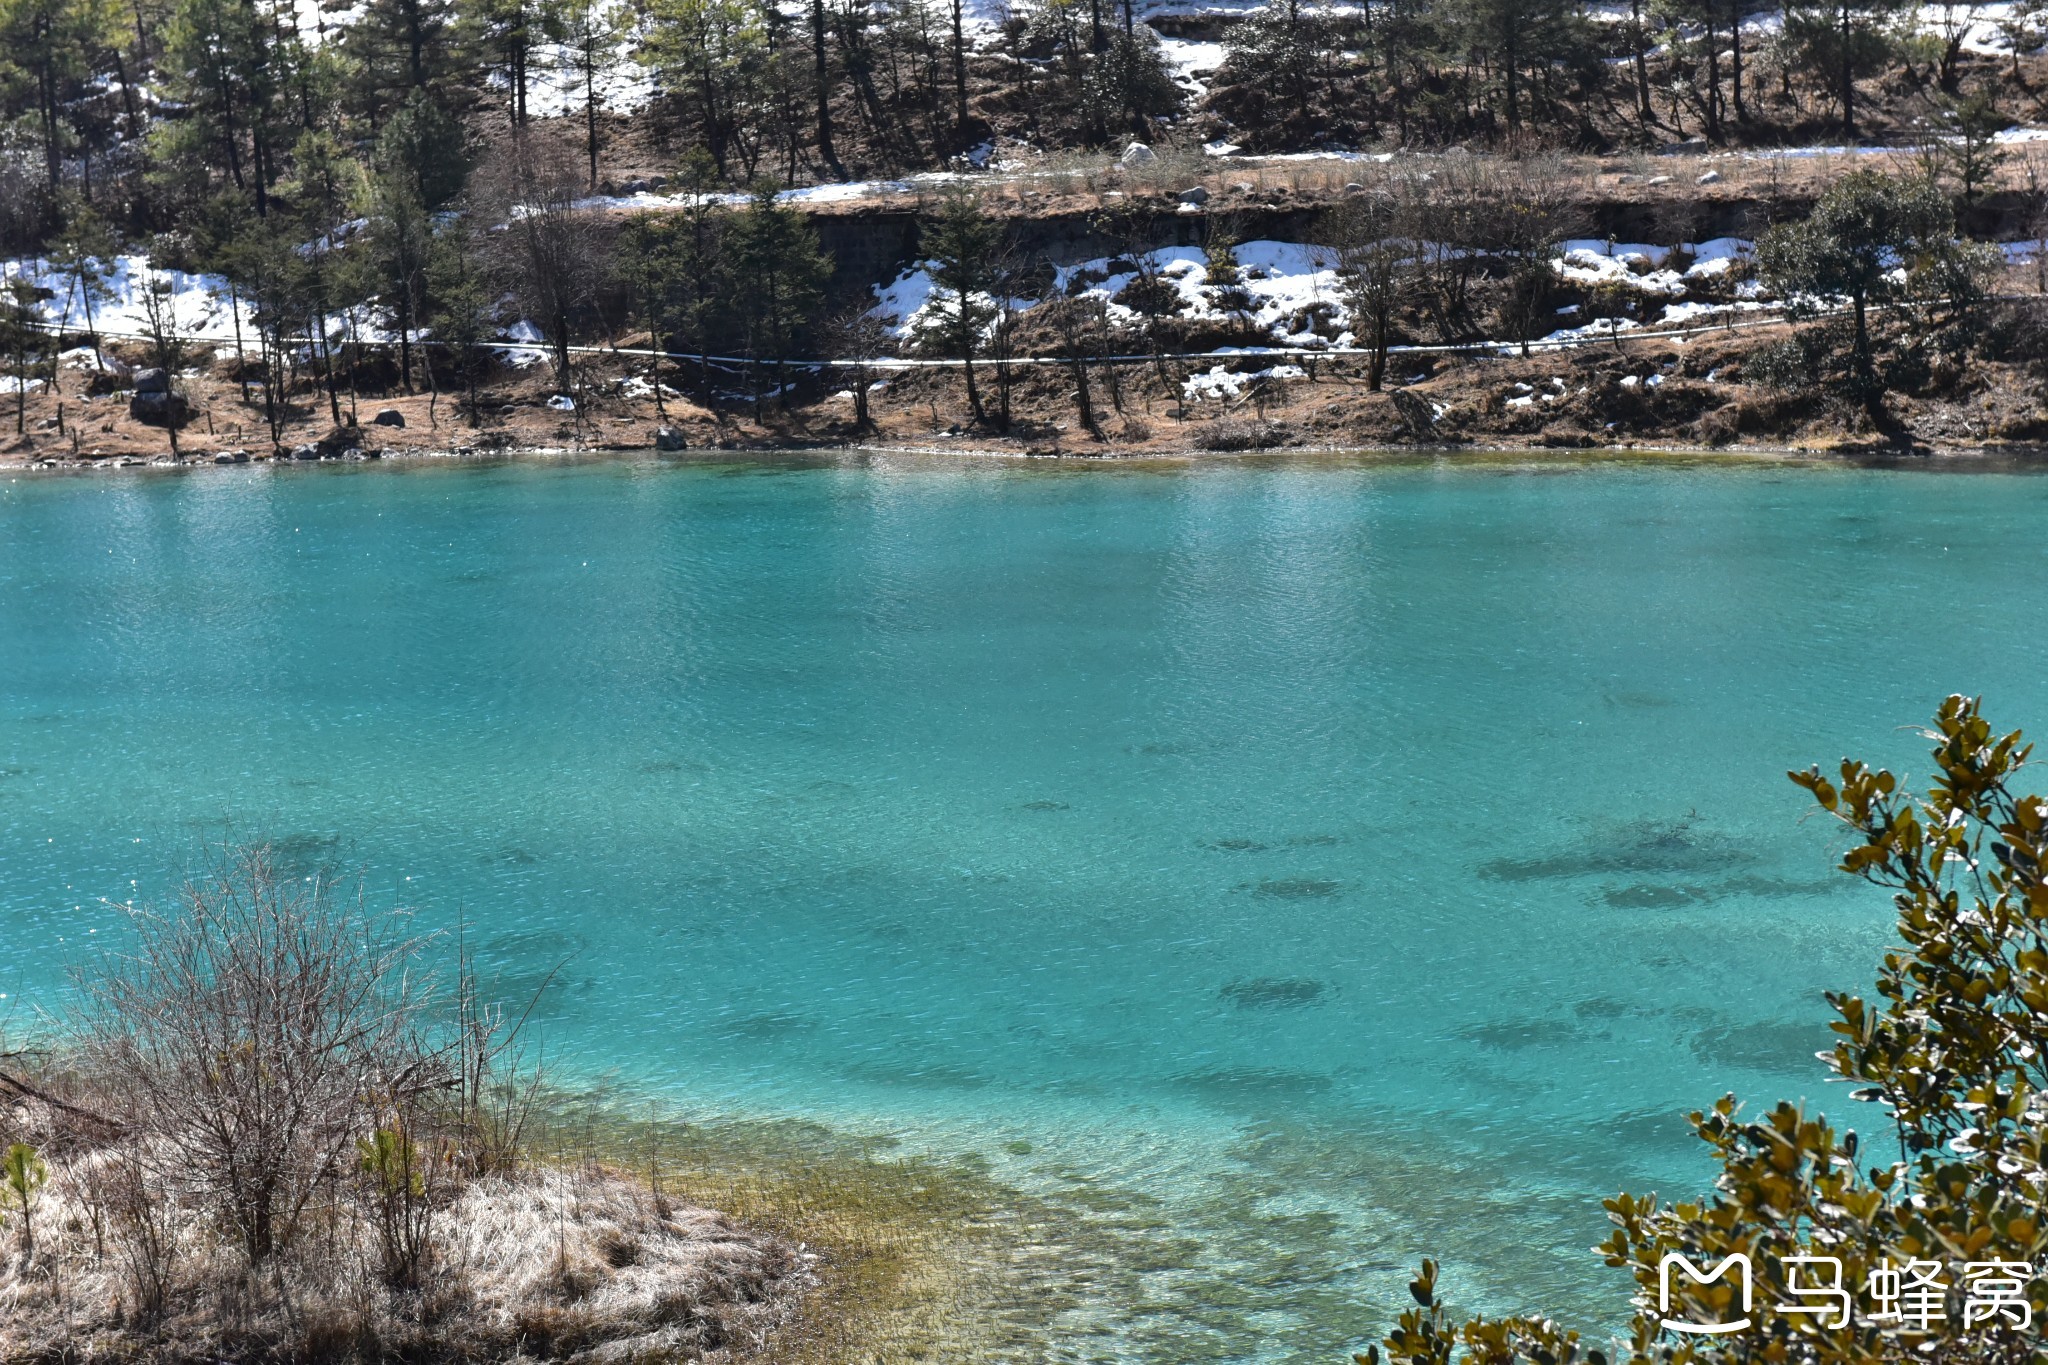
(1353, 187)
(159, 408)
(1137, 156)
(112, 379)
(340, 441)
(1196, 196)
(670, 438)
(1416, 412)
(388, 417)
(306, 452)
(1709, 178)
(153, 380)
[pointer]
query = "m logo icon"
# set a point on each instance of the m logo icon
(1738, 1262)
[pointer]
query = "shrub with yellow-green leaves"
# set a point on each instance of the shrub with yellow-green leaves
(1810, 1248)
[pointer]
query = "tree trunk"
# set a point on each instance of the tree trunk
(588, 56)
(822, 68)
(1642, 63)
(1735, 34)
(519, 78)
(1509, 63)
(959, 68)
(1848, 75)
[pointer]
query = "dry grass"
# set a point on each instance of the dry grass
(547, 1264)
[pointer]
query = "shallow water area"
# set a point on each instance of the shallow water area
(1289, 867)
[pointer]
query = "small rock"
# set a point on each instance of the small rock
(670, 438)
(1138, 155)
(388, 417)
(308, 451)
(1353, 187)
(1196, 196)
(1709, 178)
(1658, 180)
(1456, 149)
(232, 457)
(1242, 186)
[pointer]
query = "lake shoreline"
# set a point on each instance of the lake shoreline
(1959, 458)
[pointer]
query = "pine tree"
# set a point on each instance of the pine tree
(963, 244)
(23, 340)
(1841, 40)
(225, 60)
(507, 32)
(1516, 36)
(592, 32)
(777, 281)
(714, 55)
(405, 45)
(48, 48)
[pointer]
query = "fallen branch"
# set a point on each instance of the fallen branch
(21, 1089)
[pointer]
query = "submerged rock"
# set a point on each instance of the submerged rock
(1273, 992)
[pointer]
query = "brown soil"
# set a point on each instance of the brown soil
(1635, 394)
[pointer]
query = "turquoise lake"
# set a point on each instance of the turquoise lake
(1314, 864)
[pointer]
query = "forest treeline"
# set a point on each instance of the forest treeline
(162, 115)
(389, 171)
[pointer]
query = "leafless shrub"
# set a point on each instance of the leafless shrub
(1230, 434)
(143, 1224)
(253, 1032)
(271, 1139)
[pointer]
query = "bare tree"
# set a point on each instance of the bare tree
(550, 255)
(257, 1030)
(1374, 262)
(860, 338)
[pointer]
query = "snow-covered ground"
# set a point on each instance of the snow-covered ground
(1282, 283)
(201, 307)
(842, 192)
(198, 303)
(1294, 293)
